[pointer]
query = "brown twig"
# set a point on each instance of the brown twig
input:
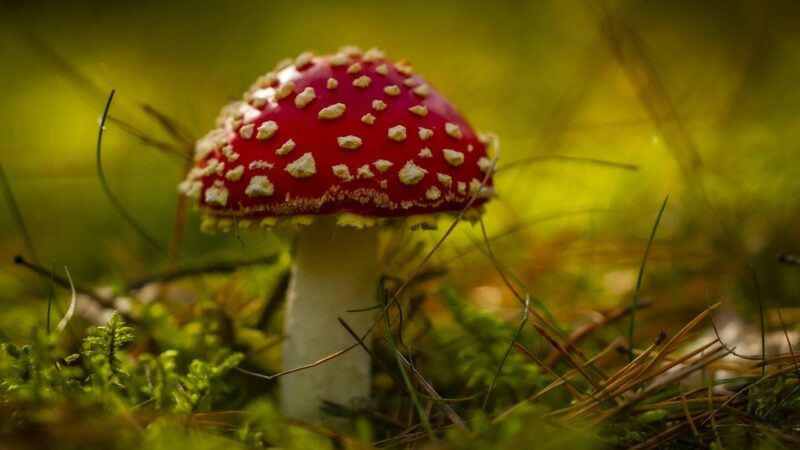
(660, 438)
(792, 260)
(278, 295)
(105, 302)
(175, 129)
(322, 360)
(220, 267)
(145, 138)
(179, 223)
(789, 343)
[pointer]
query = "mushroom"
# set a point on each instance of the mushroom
(335, 143)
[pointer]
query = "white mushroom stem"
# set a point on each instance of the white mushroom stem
(335, 270)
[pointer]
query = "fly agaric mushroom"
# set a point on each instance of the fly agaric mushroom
(335, 143)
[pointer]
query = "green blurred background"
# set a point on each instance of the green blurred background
(702, 97)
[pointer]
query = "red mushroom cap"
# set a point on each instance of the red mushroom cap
(346, 133)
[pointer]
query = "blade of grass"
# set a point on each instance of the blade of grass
(174, 128)
(71, 310)
(274, 301)
(27, 242)
(526, 303)
(365, 309)
(629, 50)
(433, 395)
(107, 189)
(632, 326)
(407, 381)
(509, 279)
(761, 321)
(63, 282)
(460, 252)
(712, 413)
(16, 216)
(168, 149)
(179, 222)
(93, 91)
(105, 302)
(504, 274)
(431, 392)
(217, 267)
(50, 296)
(788, 342)
(366, 348)
(574, 159)
(508, 350)
(790, 396)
